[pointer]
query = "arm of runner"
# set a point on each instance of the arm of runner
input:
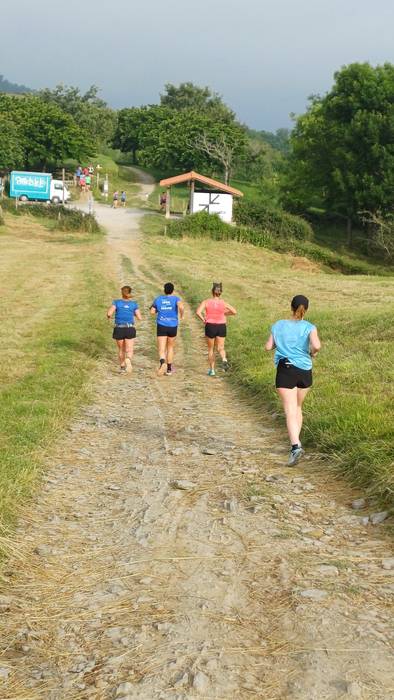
(201, 310)
(153, 310)
(314, 342)
(111, 311)
(137, 314)
(181, 309)
(270, 344)
(229, 310)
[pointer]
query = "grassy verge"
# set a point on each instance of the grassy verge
(350, 412)
(51, 333)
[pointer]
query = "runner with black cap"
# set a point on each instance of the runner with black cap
(296, 341)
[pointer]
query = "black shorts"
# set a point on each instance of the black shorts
(289, 376)
(215, 330)
(168, 331)
(124, 333)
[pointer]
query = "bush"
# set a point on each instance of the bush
(276, 221)
(204, 225)
(66, 219)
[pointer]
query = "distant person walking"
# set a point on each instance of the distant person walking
(123, 198)
(213, 312)
(124, 333)
(163, 200)
(115, 200)
(168, 309)
(296, 342)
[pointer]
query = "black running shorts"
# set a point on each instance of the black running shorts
(289, 376)
(215, 330)
(169, 331)
(124, 333)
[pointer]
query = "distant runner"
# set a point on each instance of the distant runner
(296, 341)
(125, 310)
(215, 311)
(168, 309)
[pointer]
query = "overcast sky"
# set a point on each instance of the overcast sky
(264, 57)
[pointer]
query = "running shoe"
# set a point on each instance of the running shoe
(225, 365)
(162, 369)
(129, 367)
(169, 372)
(123, 370)
(211, 373)
(295, 456)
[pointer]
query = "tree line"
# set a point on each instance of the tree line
(338, 158)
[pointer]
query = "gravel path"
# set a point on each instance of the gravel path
(170, 553)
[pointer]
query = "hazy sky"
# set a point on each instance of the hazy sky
(264, 57)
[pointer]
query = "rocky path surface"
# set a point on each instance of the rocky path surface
(170, 553)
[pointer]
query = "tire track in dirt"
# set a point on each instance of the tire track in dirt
(256, 581)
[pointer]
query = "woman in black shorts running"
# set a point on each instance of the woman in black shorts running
(296, 341)
(212, 312)
(125, 310)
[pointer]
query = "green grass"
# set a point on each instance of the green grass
(120, 177)
(349, 415)
(52, 331)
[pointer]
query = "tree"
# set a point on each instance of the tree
(201, 99)
(129, 130)
(343, 147)
(11, 151)
(88, 110)
(222, 145)
(46, 136)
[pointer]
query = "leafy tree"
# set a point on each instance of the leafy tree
(88, 110)
(343, 147)
(11, 151)
(129, 131)
(201, 99)
(45, 134)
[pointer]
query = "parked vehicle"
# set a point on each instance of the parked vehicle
(37, 187)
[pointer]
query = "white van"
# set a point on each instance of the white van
(57, 192)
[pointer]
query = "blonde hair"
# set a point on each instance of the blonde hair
(299, 312)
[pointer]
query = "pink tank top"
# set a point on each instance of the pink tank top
(214, 311)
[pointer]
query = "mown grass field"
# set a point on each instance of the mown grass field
(53, 288)
(349, 415)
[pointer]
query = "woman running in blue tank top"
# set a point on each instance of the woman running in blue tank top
(295, 342)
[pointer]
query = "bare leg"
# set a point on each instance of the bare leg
(121, 352)
(129, 351)
(291, 409)
(211, 352)
(162, 350)
(301, 394)
(220, 348)
(170, 350)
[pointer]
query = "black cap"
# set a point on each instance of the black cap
(299, 300)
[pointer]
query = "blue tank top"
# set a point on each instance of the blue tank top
(292, 341)
(125, 310)
(166, 306)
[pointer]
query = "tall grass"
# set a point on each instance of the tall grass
(349, 414)
(53, 296)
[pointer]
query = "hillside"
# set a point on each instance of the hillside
(7, 86)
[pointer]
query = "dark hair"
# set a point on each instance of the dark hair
(126, 291)
(168, 288)
(299, 305)
(217, 286)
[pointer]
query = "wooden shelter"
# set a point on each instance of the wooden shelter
(210, 187)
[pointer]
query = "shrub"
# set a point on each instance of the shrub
(276, 221)
(66, 219)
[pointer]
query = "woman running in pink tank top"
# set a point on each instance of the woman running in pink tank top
(212, 312)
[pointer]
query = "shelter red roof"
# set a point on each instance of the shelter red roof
(192, 176)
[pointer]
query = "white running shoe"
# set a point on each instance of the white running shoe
(295, 456)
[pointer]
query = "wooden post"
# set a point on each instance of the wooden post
(63, 179)
(191, 197)
(168, 203)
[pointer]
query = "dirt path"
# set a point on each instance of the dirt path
(244, 580)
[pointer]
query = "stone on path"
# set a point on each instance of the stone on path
(359, 503)
(377, 518)
(183, 484)
(314, 594)
(388, 563)
(200, 682)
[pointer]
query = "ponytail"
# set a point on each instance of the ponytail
(299, 312)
